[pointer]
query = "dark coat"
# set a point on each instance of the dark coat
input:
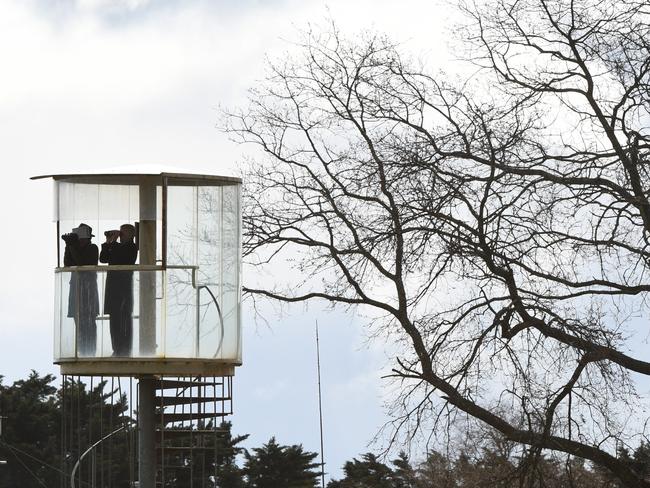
(119, 284)
(83, 299)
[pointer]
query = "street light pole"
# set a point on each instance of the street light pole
(2, 461)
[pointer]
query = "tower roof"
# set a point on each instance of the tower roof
(140, 171)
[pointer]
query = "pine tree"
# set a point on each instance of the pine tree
(276, 466)
(229, 474)
(29, 440)
(404, 476)
(368, 472)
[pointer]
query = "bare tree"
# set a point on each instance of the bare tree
(499, 228)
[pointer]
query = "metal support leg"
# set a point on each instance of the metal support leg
(146, 432)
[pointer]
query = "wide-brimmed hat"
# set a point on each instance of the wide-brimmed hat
(84, 231)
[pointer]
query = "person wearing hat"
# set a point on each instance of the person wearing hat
(118, 297)
(83, 299)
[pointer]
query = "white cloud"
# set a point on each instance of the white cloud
(94, 5)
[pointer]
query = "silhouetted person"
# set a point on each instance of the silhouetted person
(118, 299)
(83, 300)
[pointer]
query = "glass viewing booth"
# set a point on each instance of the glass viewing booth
(185, 283)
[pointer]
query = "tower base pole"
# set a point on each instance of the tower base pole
(146, 432)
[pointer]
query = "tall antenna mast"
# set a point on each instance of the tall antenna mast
(320, 412)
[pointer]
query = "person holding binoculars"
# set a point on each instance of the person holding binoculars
(118, 298)
(83, 300)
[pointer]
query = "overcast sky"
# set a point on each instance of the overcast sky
(88, 84)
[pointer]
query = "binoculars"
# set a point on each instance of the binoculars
(71, 237)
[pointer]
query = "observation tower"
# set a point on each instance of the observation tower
(165, 318)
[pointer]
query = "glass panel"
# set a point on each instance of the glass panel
(204, 231)
(181, 226)
(209, 282)
(104, 347)
(212, 332)
(88, 324)
(159, 227)
(85, 201)
(181, 332)
(57, 316)
(78, 308)
(64, 332)
(230, 276)
(102, 207)
(93, 318)
(148, 316)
